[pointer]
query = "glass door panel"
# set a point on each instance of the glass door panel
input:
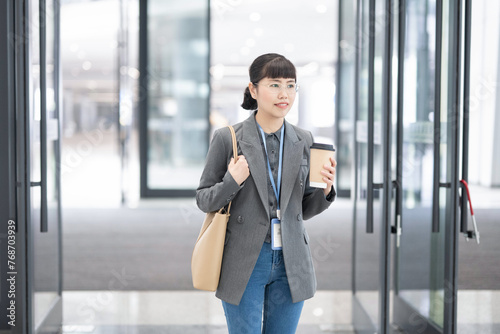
(420, 258)
(345, 90)
(425, 136)
(44, 250)
(175, 70)
(369, 257)
(425, 298)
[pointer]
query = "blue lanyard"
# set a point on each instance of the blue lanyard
(280, 166)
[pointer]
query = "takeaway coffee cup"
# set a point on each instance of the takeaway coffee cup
(320, 156)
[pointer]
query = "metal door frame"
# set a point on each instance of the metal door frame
(11, 98)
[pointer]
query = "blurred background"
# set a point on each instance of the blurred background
(196, 59)
(145, 83)
(197, 69)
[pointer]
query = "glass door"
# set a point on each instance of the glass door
(43, 140)
(407, 140)
(419, 276)
(427, 163)
(372, 191)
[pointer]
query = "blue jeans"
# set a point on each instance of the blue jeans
(268, 291)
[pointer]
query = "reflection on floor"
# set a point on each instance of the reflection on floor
(186, 312)
(193, 312)
(478, 310)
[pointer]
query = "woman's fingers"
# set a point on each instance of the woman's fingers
(329, 170)
(329, 174)
(239, 169)
(333, 162)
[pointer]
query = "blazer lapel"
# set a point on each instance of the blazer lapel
(292, 157)
(251, 148)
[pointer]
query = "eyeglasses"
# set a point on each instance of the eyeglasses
(290, 88)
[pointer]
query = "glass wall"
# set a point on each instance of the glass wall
(345, 97)
(177, 116)
(175, 78)
(484, 106)
(181, 70)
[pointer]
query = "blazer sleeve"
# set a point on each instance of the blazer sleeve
(217, 187)
(314, 200)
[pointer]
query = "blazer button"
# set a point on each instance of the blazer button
(240, 219)
(299, 217)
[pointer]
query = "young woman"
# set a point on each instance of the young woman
(267, 270)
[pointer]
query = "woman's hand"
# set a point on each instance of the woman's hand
(239, 170)
(329, 175)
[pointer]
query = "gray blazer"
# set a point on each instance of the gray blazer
(250, 217)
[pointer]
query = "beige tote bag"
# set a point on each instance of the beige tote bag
(207, 254)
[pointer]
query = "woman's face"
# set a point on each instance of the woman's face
(274, 97)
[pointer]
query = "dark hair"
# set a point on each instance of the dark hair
(270, 65)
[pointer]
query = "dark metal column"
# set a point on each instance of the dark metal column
(143, 95)
(466, 113)
(399, 132)
(12, 224)
(437, 118)
(385, 232)
(453, 129)
(371, 116)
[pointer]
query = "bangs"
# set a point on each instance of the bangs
(279, 68)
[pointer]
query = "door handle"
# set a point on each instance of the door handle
(397, 228)
(465, 122)
(43, 119)
(474, 234)
(398, 183)
(371, 116)
(437, 119)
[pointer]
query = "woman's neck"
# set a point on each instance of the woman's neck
(269, 124)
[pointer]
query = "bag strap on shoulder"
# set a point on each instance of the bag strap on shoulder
(235, 156)
(235, 145)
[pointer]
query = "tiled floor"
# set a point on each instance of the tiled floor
(190, 329)
(184, 312)
(193, 312)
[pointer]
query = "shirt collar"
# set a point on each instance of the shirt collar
(276, 134)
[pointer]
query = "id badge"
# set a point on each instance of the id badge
(276, 234)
